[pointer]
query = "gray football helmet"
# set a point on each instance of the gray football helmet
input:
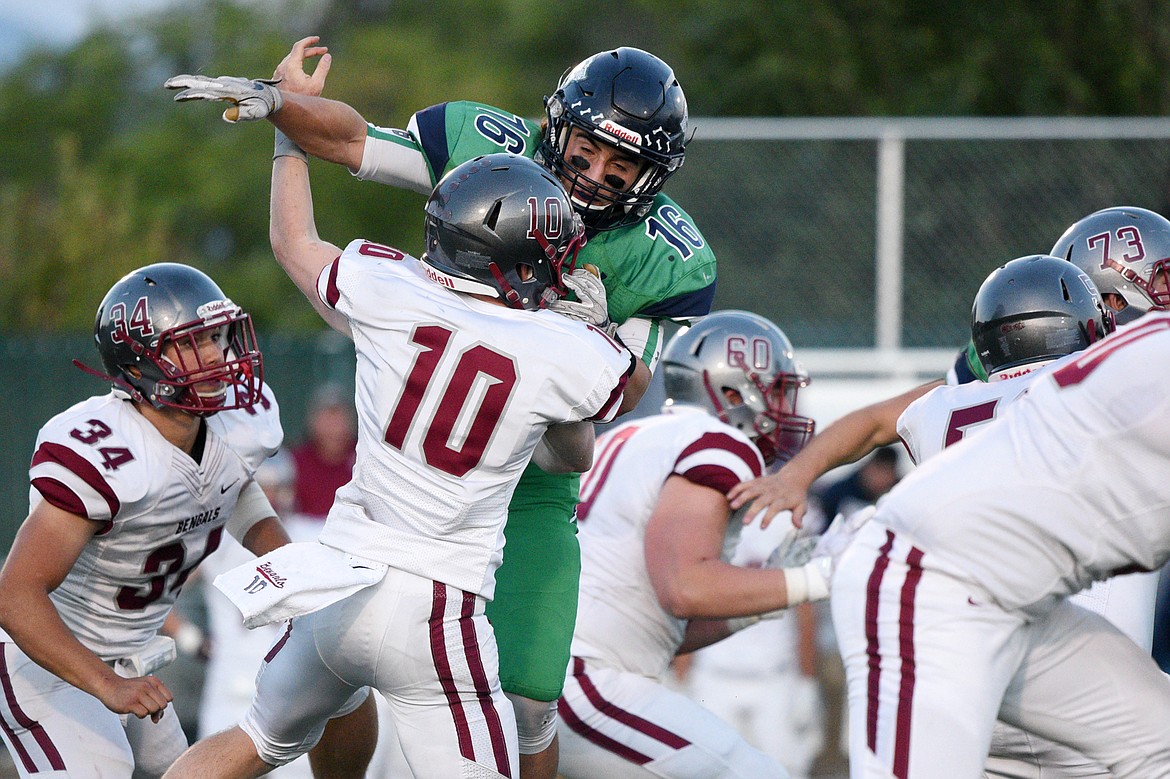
(626, 98)
(491, 215)
(151, 331)
(1123, 250)
(1033, 310)
(739, 367)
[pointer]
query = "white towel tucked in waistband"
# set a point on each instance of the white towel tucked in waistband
(294, 580)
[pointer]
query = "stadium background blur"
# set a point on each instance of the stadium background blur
(838, 203)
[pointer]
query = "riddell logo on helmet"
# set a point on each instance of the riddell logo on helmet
(208, 310)
(618, 131)
(440, 278)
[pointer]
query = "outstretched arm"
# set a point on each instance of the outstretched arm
(845, 441)
(683, 545)
(327, 129)
(293, 234)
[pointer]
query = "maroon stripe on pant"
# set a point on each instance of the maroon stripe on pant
(615, 712)
(909, 667)
(872, 598)
(483, 688)
(600, 739)
(443, 668)
(32, 726)
(280, 642)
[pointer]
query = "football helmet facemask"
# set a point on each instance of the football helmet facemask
(739, 367)
(1126, 252)
(168, 336)
(1033, 310)
(629, 99)
(501, 225)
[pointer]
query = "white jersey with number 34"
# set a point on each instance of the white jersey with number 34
(453, 395)
(159, 511)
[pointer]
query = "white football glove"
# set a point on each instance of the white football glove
(840, 534)
(794, 550)
(590, 306)
(250, 99)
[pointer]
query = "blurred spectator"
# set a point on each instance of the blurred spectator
(873, 477)
(324, 460)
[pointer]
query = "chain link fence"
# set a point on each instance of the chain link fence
(876, 234)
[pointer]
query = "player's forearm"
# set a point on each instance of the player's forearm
(713, 589)
(636, 387)
(703, 632)
(845, 441)
(293, 234)
(266, 535)
(32, 621)
(327, 129)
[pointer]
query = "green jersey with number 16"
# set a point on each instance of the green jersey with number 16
(660, 267)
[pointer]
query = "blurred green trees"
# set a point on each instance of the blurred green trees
(101, 172)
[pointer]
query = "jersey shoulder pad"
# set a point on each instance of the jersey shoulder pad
(96, 457)
(713, 454)
(255, 433)
(343, 281)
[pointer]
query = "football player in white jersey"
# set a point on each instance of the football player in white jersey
(656, 541)
(1025, 314)
(951, 604)
(129, 492)
(463, 376)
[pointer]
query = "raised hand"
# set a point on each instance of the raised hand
(291, 70)
(769, 495)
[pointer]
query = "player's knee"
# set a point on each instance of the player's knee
(536, 723)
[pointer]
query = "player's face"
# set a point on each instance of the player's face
(600, 162)
(202, 351)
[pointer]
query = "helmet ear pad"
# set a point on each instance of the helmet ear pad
(169, 337)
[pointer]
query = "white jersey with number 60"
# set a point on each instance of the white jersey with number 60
(453, 395)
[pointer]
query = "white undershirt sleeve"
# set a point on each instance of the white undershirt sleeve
(394, 158)
(643, 337)
(251, 507)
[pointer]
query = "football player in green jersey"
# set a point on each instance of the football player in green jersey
(614, 132)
